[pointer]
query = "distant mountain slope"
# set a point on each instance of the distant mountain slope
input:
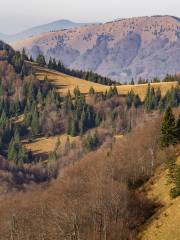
(53, 26)
(144, 47)
(4, 37)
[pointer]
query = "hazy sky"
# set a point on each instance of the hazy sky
(16, 15)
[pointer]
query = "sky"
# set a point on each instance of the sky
(17, 15)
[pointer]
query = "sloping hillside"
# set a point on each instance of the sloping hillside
(164, 225)
(43, 146)
(53, 26)
(143, 47)
(64, 82)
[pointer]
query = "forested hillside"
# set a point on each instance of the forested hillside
(89, 185)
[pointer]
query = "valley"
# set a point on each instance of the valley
(90, 131)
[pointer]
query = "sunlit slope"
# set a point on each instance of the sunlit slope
(141, 89)
(140, 47)
(64, 82)
(43, 146)
(165, 224)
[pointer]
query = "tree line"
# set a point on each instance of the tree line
(167, 78)
(15, 58)
(154, 100)
(60, 67)
(170, 135)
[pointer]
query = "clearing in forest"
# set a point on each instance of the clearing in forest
(64, 82)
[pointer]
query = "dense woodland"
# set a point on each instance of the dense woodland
(89, 187)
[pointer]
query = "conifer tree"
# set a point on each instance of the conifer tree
(77, 92)
(137, 101)
(41, 60)
(31, 59)
(68, 104)
(132, 81)
(110, 92)
(74, 127)
(115, 91)
(129, 99)
(149, 102)
(54, 65)
(168, 129)
(50, 64)
(23, 55)
(97, 119)
(82, 124)
(24, 71)
(178, 129)
(69, 125)
(91, 91)
(158, 96)
(91, 141)
(16, 152)
(175, 191)
(35, 128)
(39, 97)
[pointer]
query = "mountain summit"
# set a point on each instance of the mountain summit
(53, 26)
(141, 47)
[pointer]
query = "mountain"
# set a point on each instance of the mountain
(4, 37)
(142, 47)
(53, 26)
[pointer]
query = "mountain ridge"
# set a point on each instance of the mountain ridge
(52, 26)
(138, 47)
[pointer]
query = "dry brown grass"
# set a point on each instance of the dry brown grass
(142, 88)
(164, 225)
(63, 83)
(89, 200)
(45, 145)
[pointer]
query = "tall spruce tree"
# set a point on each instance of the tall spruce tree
(50, 64)
(41, 60)
(178, 129)
(132, 81)
(16, 152)
(175, 191)
(82, 123)
(74, 127)
(168, 129)
(35, 128)
(91, 91)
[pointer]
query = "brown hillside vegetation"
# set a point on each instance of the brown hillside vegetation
(93, 199)
(42, 146)
(164, 225)
(63, 83)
